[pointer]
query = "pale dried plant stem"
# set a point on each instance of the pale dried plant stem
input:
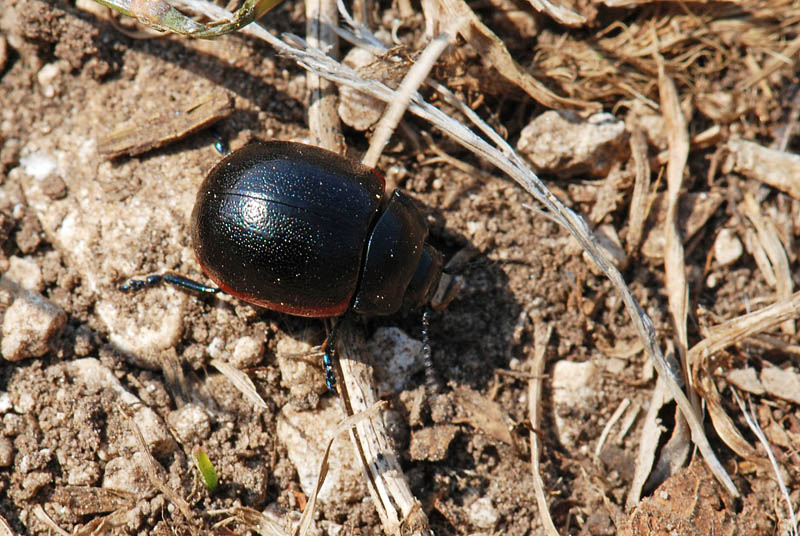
(768, 237)
(616, 416)
(752, 422)
(408, 88)
(674, 259)
(723, 335)
(640, 205)
(366, 415)
(541, 336)
(42, 516)
(323, 119)
(397, 507)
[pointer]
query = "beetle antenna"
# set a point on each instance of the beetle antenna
(431, 379)
(134, 285)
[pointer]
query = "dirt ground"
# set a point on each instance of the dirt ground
(74, 224)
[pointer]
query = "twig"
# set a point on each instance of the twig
(674, 258)
(617, 415)
(408, 88)
(723, 335)
(400, 512)
(323, 119)
(345, 426)
(541, 338)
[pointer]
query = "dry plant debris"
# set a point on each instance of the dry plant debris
(697, 200)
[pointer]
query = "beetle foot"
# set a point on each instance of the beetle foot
(134, 285)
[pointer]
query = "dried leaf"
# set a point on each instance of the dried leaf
(560, 14)
(769, 239)
(146, 134)
(495, 53)
(241, 381)
(484, 414)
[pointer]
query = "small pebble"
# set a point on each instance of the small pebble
(247, 353)
(5, 402)
(30, 323)
(6, 452)
(615, 365)
(29, 233)
(782, 383)
(305, 436)
(127, 474)
(746, 380)
(48, 73)
(86, 473)
(26, 273)
(727, 247)
(191, 423)
(33, 482)
(54, 187)
(483, 514)
(400, 355)
(432, 443)
(356, 109)
(564, 144)
(573, 398)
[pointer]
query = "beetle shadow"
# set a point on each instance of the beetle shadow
(473, 336)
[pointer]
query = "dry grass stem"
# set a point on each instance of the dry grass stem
(559, 13)
(154, 471)
(722, 421)
(769, 240)
(347, 425)
(408, 88)
(640, 204)
(626, 425)
(42, 516)
(674, 260)
(5, 528)
(737, 329)
(752, 421)
(779, 169)
(542, 335)
(145, 134)
(648, 443)
(494, 52)
(323, 120)
(397, 507)
(616, 416)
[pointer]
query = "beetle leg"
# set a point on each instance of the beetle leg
(329, 354)
(179, 281)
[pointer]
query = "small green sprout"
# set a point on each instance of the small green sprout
(206, 469)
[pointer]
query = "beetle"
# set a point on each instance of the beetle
(304, 231)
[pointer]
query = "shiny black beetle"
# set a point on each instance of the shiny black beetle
(304, 231)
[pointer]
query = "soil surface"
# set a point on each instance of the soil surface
(75, 225)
